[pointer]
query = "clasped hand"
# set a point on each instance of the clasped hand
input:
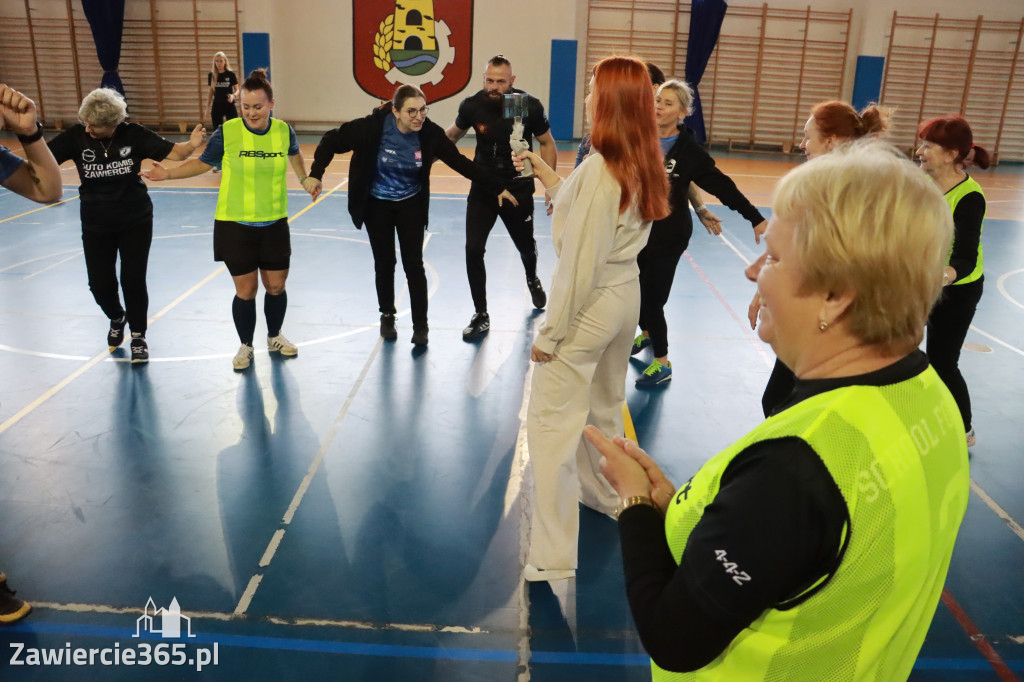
(630, 470)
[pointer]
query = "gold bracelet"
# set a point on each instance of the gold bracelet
(634, 501)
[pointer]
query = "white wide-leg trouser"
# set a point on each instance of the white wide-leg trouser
(583, 384)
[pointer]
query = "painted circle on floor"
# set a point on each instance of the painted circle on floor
(63, 256)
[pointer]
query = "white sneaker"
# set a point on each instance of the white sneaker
(243, 358)
(534, 575)
(282, 345)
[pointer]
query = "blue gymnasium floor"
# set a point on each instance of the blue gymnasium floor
(354, 513)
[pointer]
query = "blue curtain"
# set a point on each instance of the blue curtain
(106, 19)
(706, 18)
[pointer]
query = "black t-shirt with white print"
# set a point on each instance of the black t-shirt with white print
(226, 82)
(111, 191)
(493, 130)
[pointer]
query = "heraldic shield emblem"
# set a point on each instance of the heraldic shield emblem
(426, 43)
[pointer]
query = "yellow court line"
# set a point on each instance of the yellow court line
(35, 210)
(57, 388)
(314, 203)
(627, 423)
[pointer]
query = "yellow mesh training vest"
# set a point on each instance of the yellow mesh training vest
(898, 455)
(953, 198)
(253, 182)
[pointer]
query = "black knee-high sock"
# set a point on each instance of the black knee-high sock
(244, 314)
(273, 309)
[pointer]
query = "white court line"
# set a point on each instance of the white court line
(33, 260)
(218, 615)
(314, 467)
(514, 492)
(1001, 286)
(54, 390)
(999, 511)
(1002, 343)
(746, 261)
(978, 490)
(20, 414)
(50, 267)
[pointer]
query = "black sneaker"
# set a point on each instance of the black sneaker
(115, 337)
(140, 350)
(478, 326)
(12, 609)
(540, 299)
(387, 327)
(419, 335)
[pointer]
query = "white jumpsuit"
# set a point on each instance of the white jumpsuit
(593, 308)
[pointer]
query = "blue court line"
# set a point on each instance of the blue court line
(435, 653)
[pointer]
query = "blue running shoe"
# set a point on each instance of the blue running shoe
(639, 343)
(656, 374)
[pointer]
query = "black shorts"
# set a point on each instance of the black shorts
(244, 248)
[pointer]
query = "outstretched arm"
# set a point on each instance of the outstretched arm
(189, 169)
(183, 150)
(39, 178)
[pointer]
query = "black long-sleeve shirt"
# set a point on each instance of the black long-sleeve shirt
(688, 162)
(778, 513)
(362, 137)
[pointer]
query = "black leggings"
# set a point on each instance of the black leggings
(947, 329)
(222, 111)
(658, 260)
(383, 220)
(482, 211)
(131, 241)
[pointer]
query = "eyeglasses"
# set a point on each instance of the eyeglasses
(413, 113)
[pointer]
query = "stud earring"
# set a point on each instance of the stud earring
(822, 326)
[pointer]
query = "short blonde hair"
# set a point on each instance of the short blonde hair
(683, 92)
(104, 107)
(866, 219)
(213, 64)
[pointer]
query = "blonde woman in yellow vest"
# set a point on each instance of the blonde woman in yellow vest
(816, 546)
(250, 230)
(946, 144)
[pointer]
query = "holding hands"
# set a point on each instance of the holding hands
(313, 186)
(630, 470)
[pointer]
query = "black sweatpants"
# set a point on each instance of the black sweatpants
(222, 111)
(658, 261)
(947, 329)
(406, 218)
(131, 242)
(482, 211)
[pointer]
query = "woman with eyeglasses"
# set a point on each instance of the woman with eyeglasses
(117, 213)
(389, 191)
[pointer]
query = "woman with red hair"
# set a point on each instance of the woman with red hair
(601, 221)
(832, 123)
(946, 144)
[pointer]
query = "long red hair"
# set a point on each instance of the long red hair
(626, 134)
